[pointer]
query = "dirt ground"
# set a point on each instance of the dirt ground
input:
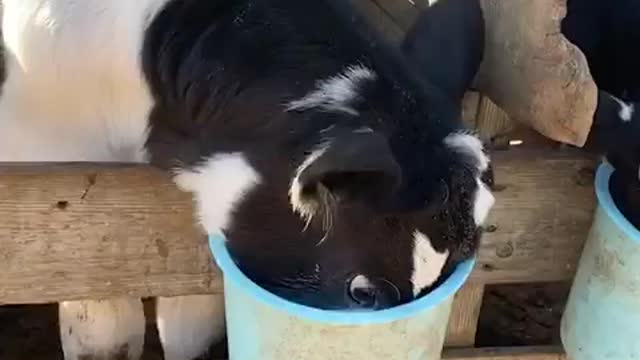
(522, 315)
(513, 315)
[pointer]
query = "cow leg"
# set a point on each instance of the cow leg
(102, 329)
(189, 325)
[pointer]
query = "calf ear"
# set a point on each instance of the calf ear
(616, 126)
(354, 166)
(446, 43)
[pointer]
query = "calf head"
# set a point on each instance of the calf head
(370, 207)
(358, 217)
(346, 184)
(603, 32)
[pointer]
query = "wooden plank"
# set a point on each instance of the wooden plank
(72, 232)
(492, 123)
(544, 208)
(463, 321)
(503, 353)
(89, 231)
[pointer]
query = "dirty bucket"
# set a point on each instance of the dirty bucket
(263, 326)
(602, 316)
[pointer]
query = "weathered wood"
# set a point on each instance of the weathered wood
(544, 209)
(89, 231)
(492, 123)
(504, 353)
(464, 316)
(72, 232)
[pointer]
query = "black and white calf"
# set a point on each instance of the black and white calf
(341, 179)
(608, 34)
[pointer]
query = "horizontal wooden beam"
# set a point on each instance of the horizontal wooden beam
(72, 231)
(506, 353)
(89, 231)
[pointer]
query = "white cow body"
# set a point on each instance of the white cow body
(74, 91)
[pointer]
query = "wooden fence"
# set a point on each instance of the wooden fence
(79, 231)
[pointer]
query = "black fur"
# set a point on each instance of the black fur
(446, 44)
(221, 72)
(608, 33)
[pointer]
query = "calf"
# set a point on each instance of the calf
(607, 33)
(341, 179)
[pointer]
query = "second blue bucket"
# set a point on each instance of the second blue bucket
(602, 317)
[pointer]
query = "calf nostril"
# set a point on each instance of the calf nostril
(362, 292)
(377, 293)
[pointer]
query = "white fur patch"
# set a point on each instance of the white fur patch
(482, 203)
(188, 325)
(470, 145)
(218, 186)
(626, 110)
(102, 328)
(336, 93)
(427, 263)
(74, 89)
(306, 208)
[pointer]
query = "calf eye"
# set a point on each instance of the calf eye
(377, 294)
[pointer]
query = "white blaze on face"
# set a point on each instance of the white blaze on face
(427, 263)
(218, 186)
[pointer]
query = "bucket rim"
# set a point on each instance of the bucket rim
(233, 274)
(605, 201)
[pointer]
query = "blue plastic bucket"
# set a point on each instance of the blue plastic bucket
(602, 318)
(261, 325)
